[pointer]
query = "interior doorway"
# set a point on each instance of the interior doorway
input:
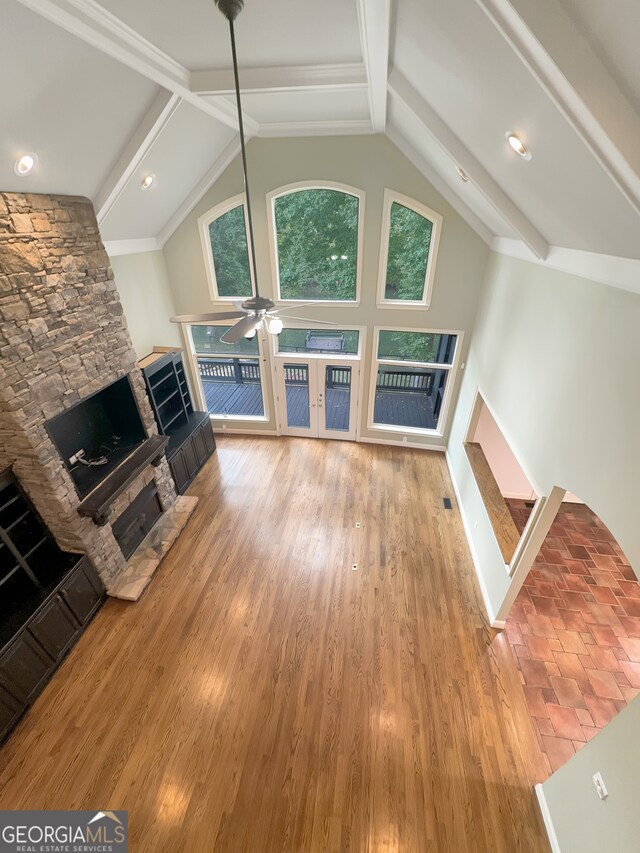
(317, 397)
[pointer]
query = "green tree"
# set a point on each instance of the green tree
(230, 255)
(317, 232)
(408, 254)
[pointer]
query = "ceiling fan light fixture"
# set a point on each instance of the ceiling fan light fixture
(518, 145)
(274, 325)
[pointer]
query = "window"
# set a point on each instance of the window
(408, 249)
(230, 374)
(223, 232)
(316, 242)
(410, 386)
(320, 341)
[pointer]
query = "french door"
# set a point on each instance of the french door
(317, 397)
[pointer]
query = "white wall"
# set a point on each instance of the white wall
(147, 300)
(582, 822)
(370, 163)
(557, 358)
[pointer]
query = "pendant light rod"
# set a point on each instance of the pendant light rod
(244, 156)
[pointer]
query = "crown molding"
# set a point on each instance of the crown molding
(316, 128)
(294, 78)
(116, 248)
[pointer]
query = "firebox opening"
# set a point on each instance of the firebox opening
(96, 435)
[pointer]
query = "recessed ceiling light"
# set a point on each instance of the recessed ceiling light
(147, 181)
(25, 164)
(463, 175)
(518, 145)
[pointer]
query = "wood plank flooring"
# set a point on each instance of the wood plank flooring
(263, 696)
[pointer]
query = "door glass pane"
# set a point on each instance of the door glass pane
(337, 385)
(296, 384)
(409, 396)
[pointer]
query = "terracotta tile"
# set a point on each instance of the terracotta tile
(630, 588)
(589, 732)
(629, 574)
(557, 623)
(603, 578)
(619, 653)
(541, 626)
(576, 583)
(631, 645)
(621, 679)
(578, 552)
(572, 642)
(546, 606)
(552, 668)
(603, 595)
(565, 722)
(631, 606)
(577, 744)
(602, 710)
(512, 630)
(629, 693)
(549, 695)
(535, 701)
(631, 625)
(585, 717)
(579, 538)
(556, 645)
(602, 562)
(604, 658)
(558, 750)
(573, 620)
(547, 589)
(568, 693)
(554, 557)
(574, 601)
(522, 652)
(544, 726)
(602, 614)
(539, 648)
(632, 670)
(604, 684)
(535, 673)
(577, 567)
(604, 548)
(620, 704)
(587, 638)
(604, 635)
(570, 666)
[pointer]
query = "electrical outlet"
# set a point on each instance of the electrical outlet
(600, 787)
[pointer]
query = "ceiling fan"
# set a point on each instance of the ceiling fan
(257, 311)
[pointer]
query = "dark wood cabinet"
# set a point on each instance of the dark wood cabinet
(47, 596)
(191, 439)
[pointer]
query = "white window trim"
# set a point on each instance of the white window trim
(391, 196)
(263, 359)
(204, 222)
(273, 242)
(309, 324)
(448, 393)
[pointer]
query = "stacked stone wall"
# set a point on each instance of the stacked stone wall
(63, 336)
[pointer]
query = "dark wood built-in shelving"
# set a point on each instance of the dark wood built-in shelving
(47, 597)
(191, 439)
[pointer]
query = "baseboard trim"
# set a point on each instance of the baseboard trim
(218, 430)
(495, 623)
(394, 443)
(546, 817)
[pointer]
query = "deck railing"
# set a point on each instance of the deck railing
(243, 370)
(236, 370)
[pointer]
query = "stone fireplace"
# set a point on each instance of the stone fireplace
(63, 337)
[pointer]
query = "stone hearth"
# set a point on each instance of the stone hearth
(63, 336)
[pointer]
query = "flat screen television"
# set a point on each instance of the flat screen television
(97, 434)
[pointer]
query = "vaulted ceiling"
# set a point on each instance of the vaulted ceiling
(107, 92)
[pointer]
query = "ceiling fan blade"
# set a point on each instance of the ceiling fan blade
(235, 333)
(309, 320)
(203, 319)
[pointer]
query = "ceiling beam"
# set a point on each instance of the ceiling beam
(402, 90)
(135, 151)
(295, 78)
(374, 17)
(89, 21)
(563, 62)
(323, 127)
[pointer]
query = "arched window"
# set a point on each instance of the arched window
(223, 231)
(408, 249)
(316, 242)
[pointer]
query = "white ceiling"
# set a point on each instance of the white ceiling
(106, 93)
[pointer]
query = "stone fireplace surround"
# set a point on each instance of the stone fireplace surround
(63, 336)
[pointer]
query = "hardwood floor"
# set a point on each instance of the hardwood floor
(263, 696)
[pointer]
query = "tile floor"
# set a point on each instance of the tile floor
(575, 631)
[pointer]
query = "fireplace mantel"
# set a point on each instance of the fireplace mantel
(98, 502)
